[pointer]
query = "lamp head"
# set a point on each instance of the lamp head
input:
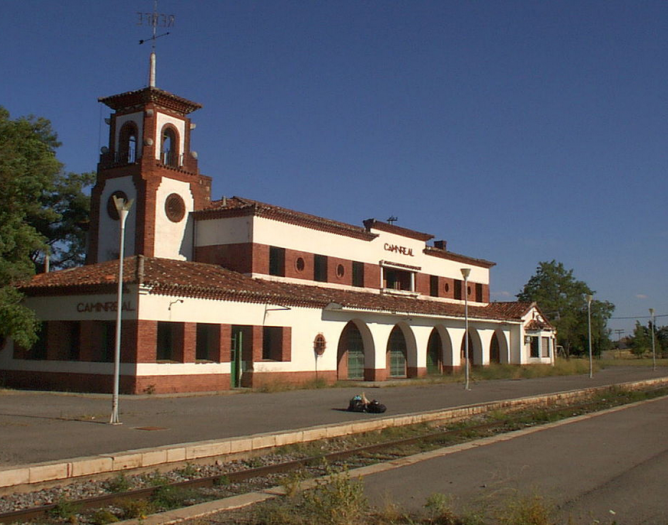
(466, 272)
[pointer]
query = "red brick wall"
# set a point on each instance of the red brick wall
(237, 257)
(247, 258)
(70, 382)
(225, 344)
(375, 374)
(422, 283)
(147, 337)
(267, 379)
(371, 276)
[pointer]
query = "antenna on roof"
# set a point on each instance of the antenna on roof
(392, 219)
(155, 20)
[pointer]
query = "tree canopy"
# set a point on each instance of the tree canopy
(641, 340)
(40, 206)
(563, 299)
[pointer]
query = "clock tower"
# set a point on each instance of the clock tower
(149, 159)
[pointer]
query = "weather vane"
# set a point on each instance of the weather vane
(155, 20)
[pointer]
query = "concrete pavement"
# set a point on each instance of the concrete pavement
(38, 427)
(600, 468)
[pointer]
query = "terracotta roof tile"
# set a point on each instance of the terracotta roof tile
(150, 94)
(192, 279)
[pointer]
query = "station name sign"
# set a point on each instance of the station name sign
(108, 306)
(394, 248)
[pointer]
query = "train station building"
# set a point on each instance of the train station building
(229, 293)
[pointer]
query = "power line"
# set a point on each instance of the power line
(640, 317)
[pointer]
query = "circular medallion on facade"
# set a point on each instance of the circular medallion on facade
(300, 264)
(340, 271)
(319, 344)
(175, 208)
(111, 207)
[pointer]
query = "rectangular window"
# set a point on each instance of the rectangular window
(106, 340)
(272, 343)
(358, 274)
(394, 279)
(535, 347)
(38, 350)
(459, 285)
(320, 268)
(73, 343)
(276, 261)
(166, 339)
(433, 285)
(207, 346)
(478, 293)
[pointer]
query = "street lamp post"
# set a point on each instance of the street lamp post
(465, 273)
(122, 207)
(591, 362)
(651, 314)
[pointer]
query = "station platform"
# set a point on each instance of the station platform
(56, 428)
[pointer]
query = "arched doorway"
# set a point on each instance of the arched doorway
(434, 353)
(396, 353)
(463, 351)
(350, 354)
(495, 350)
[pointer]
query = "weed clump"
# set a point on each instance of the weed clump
(336, 501)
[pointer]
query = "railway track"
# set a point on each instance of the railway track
(318, 464)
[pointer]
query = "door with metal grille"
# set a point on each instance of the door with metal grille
(355, 354)
(397, 353)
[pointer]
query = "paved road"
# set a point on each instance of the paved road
(610, 468)
(37, 427)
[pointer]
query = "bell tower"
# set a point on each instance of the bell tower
(149, 159)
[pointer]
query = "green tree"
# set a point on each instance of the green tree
(563, 299)
(662, 341)
(641, 340)
(28, 165)
(62, 220)
(40, 207)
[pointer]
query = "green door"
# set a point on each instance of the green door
(355, 355)
(235, 358)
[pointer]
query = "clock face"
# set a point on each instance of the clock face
(111, 207)
(175, 208)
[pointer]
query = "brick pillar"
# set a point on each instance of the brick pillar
(224, 344)
(189, 342)
(87, 341)
(147, 340)
(256, 343)
(286, 344)
(54, 339)
(129, 335)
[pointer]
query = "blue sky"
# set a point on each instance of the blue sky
(519, 131)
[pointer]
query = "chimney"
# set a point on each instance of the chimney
(441, 245)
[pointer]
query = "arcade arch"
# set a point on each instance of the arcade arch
(353, 352)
